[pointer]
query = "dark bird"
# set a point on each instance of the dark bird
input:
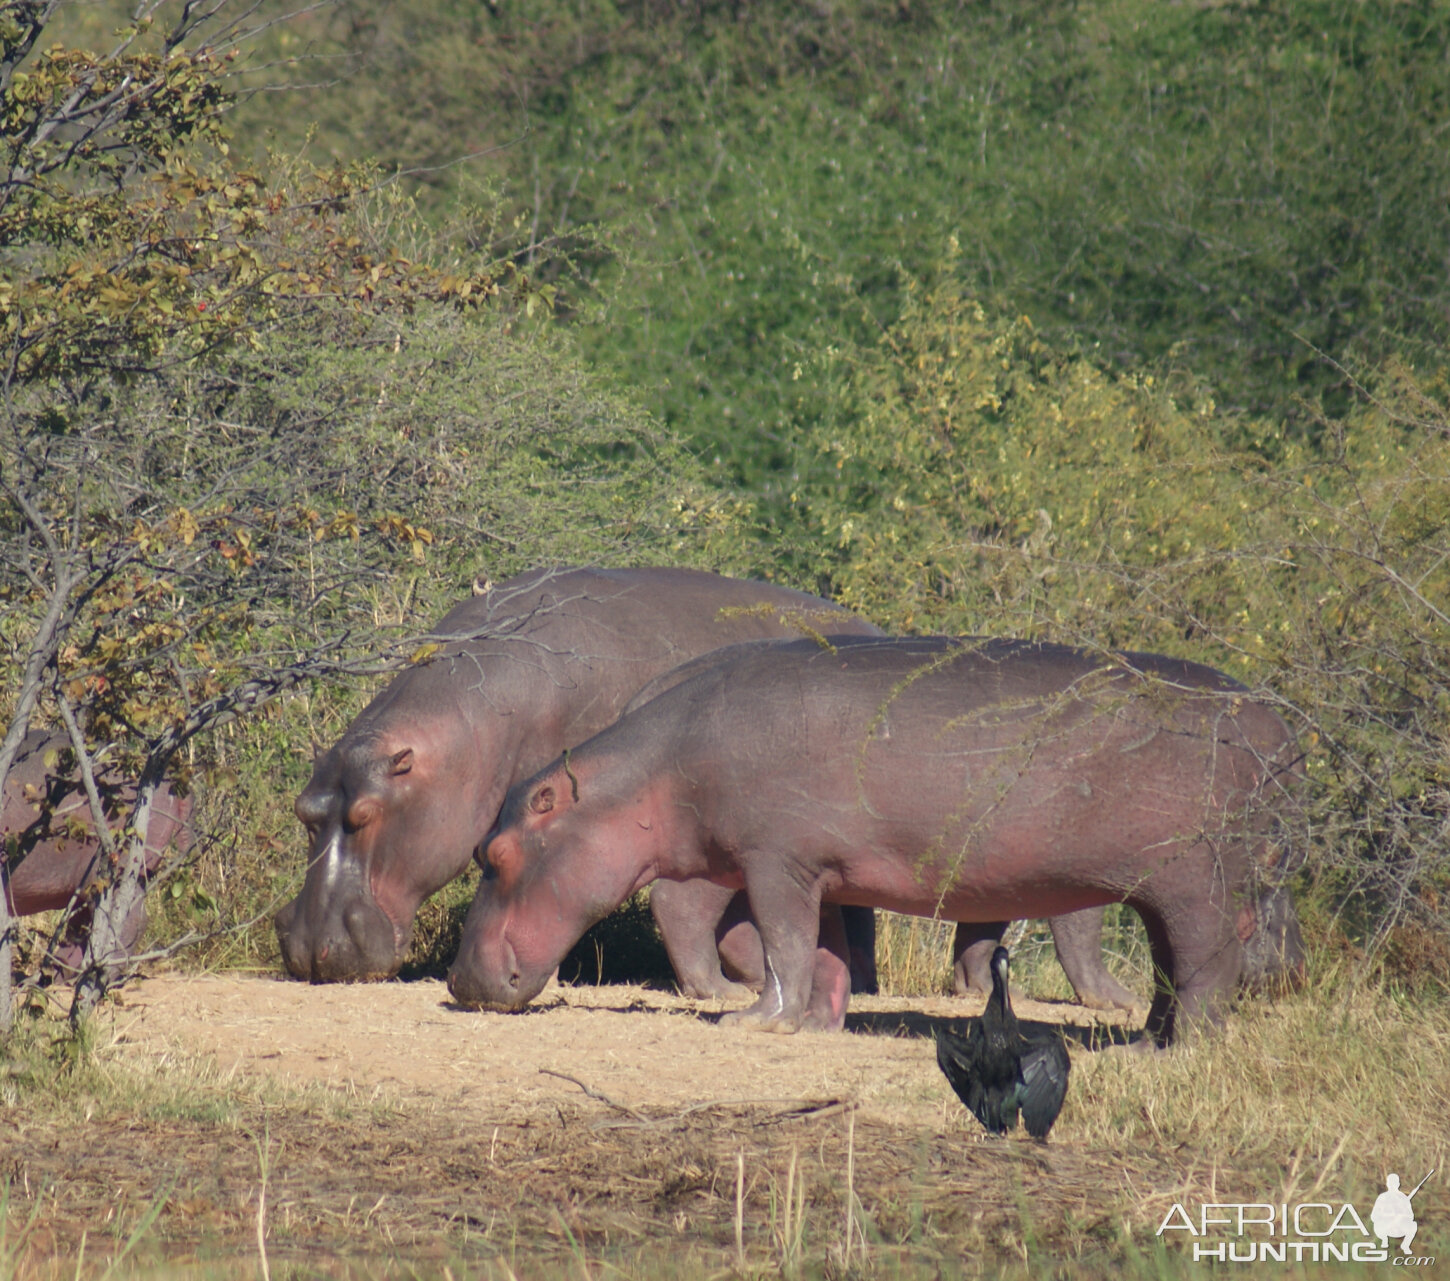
(997, 1071)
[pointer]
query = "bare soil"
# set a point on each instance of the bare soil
(617, 1123)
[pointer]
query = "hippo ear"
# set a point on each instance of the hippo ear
(401, 762)
(1247, 923)
(542, 801)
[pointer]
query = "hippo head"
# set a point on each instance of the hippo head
(563, 855)
(1274, 952)
(391, 818)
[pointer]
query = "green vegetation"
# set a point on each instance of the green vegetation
(1235, 187)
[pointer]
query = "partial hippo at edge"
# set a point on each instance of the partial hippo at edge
(397, 807)
(690, 917)
(974, 781)
(50, 836)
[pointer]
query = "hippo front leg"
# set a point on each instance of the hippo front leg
(743, 959)
(788, 916)
(972, 949)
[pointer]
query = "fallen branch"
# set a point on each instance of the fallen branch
(595, 1094)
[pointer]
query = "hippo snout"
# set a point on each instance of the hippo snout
(481, 987)
(355, 944)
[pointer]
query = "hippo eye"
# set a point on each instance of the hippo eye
(542, 801)
(491, 860)
(360, 813)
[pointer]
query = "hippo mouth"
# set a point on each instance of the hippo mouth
(501, 986)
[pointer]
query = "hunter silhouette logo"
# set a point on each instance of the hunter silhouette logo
(1393, 1216)
(1312, 1231)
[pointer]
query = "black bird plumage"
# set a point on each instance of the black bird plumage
(997, 1071)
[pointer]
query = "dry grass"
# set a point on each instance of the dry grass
(914, 955)
(1314, 1097)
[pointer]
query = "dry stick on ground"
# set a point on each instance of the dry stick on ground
(799, 1110)
(595, 1094)
(740, 1210)
(264, 1153)
(803, 1111)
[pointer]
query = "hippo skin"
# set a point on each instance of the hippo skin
(396, 808)
(1273, 958)
(50, 836)
(976, 781)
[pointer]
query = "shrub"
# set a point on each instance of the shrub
(965, 476)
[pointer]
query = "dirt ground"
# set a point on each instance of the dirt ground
(434, 1133)
(641, 1047)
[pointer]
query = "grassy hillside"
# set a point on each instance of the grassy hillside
(1232, 187)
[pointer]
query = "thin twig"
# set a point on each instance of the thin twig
(595, 1094)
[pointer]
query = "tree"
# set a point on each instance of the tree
(246, 440)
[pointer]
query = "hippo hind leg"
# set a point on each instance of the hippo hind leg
(1078, 938)
(972, 949)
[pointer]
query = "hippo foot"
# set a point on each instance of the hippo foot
(1126, 1002)
(724, 990)
(823, 1021)
(763, 1020)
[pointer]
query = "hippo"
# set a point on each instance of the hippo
(50, 837)
(971, 780)
(690, 918)
(396, 808)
